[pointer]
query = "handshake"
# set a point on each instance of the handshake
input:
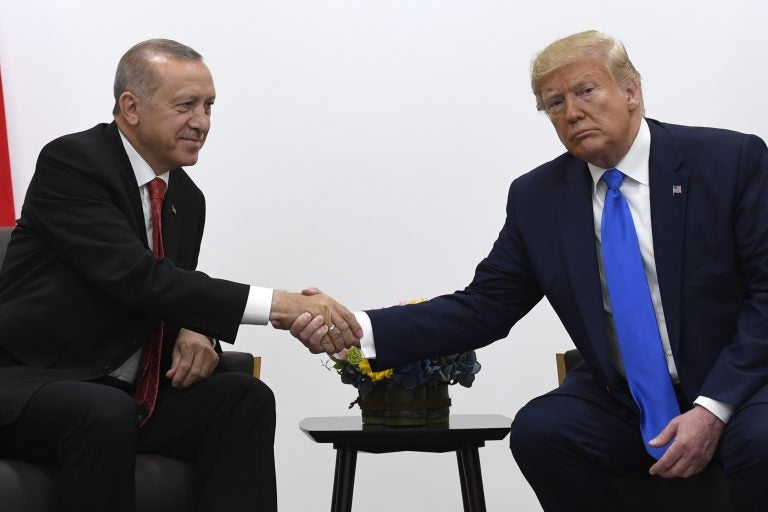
(315, 319)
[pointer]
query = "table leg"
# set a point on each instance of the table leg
(463, 482)
(344, 480)
(469, 467)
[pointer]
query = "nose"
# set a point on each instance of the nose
(200, 119)
(573, 110)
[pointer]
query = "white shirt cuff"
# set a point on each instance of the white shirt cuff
(366, 342)
(258, 306)
(722, 410)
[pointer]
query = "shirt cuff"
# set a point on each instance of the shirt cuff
(722, 410)
(258, 306)
(367, 346)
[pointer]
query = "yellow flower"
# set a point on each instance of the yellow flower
(365, 368)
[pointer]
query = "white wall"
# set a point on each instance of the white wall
(366, 147)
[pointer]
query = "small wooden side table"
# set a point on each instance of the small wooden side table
(464, 434)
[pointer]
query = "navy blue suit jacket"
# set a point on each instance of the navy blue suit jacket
(711, 249)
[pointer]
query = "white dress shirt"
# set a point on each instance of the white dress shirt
(636, 190)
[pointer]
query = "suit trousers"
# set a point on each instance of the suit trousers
(224, 425)
(568, 442)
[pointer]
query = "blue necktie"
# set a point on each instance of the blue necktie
(633, 315)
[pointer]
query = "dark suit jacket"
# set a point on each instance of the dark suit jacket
(711, 250)
(80, 290)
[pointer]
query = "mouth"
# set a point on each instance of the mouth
(582, 134)
(196, 143)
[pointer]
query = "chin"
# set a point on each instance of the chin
(187, 161)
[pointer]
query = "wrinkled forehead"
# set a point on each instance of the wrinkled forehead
(576, 73)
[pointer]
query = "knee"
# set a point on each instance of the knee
(260, 395)
(113, 415)
(533, 429)
(745, 444)
(104, 422)
(252, 396)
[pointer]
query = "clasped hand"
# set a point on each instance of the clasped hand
(193, 359)
(333, 327)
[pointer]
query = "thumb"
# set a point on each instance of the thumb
(666, 435)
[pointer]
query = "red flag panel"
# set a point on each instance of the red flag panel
(7, 215)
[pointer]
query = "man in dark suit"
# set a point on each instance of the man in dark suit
(81, 293)
(698, 198)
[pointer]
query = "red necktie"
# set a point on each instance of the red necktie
(149, 375)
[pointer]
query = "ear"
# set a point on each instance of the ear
(129, 107)
(633, 96)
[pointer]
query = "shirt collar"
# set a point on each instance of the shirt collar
(141, 169)
(635, 162)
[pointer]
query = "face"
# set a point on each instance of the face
(170, 127)
(596, 118)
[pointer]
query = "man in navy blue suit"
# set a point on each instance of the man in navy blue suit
(698, 198)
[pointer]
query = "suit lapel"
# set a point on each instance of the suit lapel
(128, 180)
(576, 221)
(669, 189)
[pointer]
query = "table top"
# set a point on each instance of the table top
(462, 430)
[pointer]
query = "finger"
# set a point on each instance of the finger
(210, 361)
(175, 356)
(327, 345)
(346, 321)
(666, 435)
(310, 291)
(300, 324)
(336, 339)
(664, 465)
(315, 342)
(312, 327)
(182, 368)
(198, 368)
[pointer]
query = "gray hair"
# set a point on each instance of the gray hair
(134, 73)
(577, 46)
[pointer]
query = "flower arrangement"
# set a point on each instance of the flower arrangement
(438, 372)
(354, 369)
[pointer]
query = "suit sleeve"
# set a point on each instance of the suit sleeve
(503, 291)
(742, 367)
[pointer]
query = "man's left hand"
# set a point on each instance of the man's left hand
(694, 436)
(193, 359)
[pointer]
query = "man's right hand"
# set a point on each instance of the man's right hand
(341, 329)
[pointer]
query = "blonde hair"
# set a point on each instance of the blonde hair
(590, 43)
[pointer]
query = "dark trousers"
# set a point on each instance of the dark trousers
(224, 425)
(568, 442)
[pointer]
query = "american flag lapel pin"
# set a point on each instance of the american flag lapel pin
(677, 190)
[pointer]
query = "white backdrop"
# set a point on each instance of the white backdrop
(366, 147)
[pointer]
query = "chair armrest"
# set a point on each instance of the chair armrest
(231, 361)
(565, 363)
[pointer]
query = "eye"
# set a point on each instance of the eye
(588, 90)
(554, 105)
(208, 105)
(185, 106)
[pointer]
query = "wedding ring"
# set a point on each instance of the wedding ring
(331, 328)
